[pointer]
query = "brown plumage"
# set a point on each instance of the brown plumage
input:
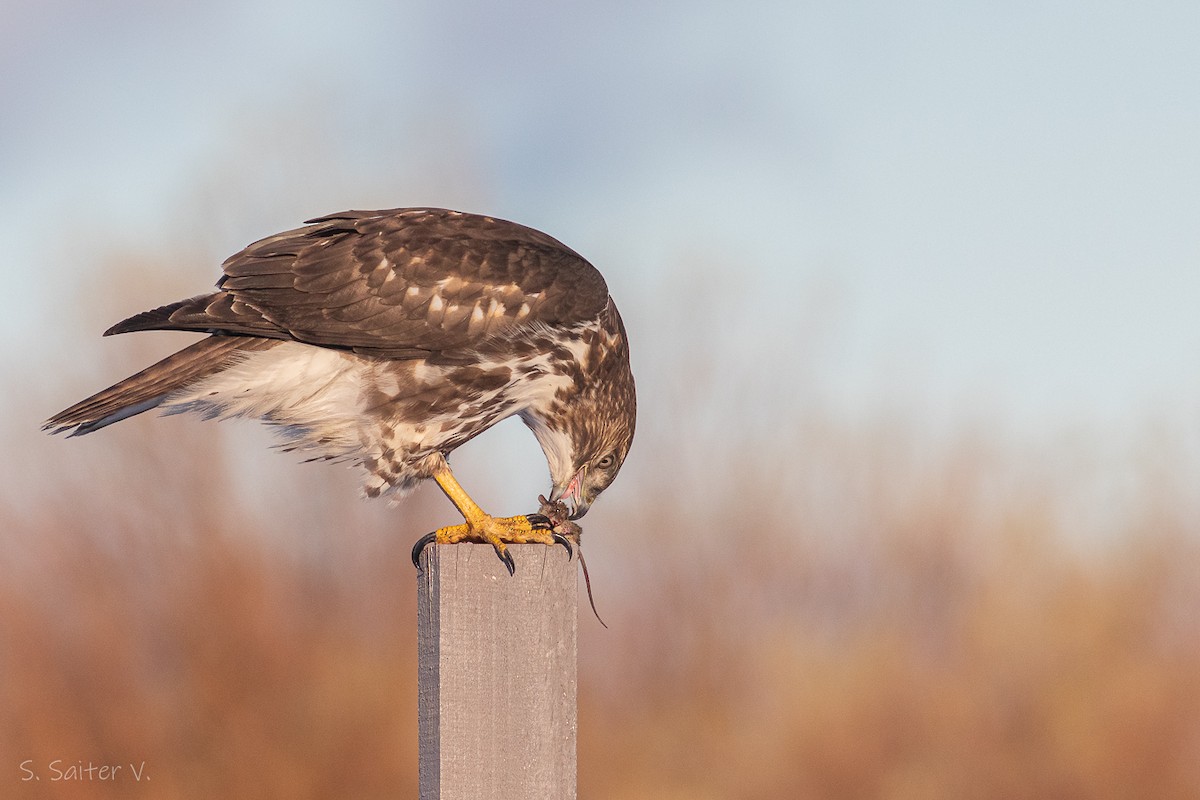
(389, 338)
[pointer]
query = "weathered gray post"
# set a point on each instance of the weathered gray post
(496, 672)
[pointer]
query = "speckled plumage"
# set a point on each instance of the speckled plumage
(389, 338)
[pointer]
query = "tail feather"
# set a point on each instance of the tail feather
(150, 387)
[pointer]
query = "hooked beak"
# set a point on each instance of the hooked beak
(572, 494)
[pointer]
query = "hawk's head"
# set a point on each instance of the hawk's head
(589, 430)
(599, 425)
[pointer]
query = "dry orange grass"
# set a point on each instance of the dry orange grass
(956, 635)
(946, 639)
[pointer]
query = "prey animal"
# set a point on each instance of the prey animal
(389, 338)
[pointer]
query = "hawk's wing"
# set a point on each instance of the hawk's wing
(398, 283)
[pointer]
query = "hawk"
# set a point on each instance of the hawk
(387, 339)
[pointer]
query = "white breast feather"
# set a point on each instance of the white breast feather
(314, 389)
(316, 396)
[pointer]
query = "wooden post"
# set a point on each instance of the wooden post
(496, 673)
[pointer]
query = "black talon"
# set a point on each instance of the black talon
(507, 558)
(560, 539)
(419, 546)
(539, 522)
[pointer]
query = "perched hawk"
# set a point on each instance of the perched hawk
(389, 338)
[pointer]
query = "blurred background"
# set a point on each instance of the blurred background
(914, 508)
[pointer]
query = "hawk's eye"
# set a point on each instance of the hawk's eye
(606, 462)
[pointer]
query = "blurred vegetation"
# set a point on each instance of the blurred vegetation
(800, 604)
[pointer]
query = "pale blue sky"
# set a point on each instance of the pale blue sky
(950, 205)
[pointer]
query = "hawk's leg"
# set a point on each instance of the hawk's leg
(499, 532)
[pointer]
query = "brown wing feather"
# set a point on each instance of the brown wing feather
(148, 388)
(397, 283)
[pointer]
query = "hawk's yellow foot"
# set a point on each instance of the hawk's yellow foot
(499, 532)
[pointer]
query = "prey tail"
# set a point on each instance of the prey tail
(151, 386)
